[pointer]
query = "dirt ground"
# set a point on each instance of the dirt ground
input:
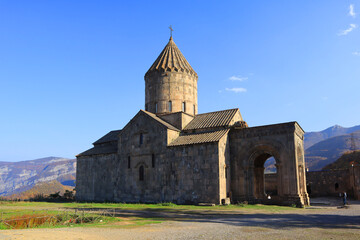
(326, 221)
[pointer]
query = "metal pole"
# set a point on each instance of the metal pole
(354, 189)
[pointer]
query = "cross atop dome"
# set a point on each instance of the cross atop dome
(171, 30)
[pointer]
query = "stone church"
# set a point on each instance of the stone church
(170, 153)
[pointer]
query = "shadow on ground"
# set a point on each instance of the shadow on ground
(266, 220)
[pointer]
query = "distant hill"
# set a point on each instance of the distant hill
(328, 151)
(345, 161)
(311, 138)
(44, 188)
(16, 177)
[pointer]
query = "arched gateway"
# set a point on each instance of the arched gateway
(251, 147)
(170, 153)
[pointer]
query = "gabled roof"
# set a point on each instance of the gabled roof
(171, 60)
(99, 150)
(198, 138)
(166, 124)
(109, 137)
(212, 119)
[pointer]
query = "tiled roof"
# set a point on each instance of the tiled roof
(168, 125)
(99, 150)
(171, 60)
(213, 119)
(199, 138)
(109, 137)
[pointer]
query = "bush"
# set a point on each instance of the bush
(167, 204)
(69, 195)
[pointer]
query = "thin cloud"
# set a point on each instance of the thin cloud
(356, 53)
(236, 90)
(351, 10)
(237, 78)
(346, 31)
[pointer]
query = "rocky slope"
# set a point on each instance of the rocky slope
(17, 177)
(42, 188)
(346, 161)
(329, 150)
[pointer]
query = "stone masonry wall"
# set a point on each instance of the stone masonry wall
(250, 147)
(328, 183)
(177, 87)
(224, 168)
(94, 177)
(271, 184)
(184, 174)
(178, 119)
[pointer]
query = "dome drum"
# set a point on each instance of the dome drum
(171, 83)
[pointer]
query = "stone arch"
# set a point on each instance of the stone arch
(269, 148)
(251, 146)
(141, 163)
(257, 158)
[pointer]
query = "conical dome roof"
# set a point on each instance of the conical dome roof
(171, 60)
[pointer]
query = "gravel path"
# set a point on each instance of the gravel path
(313, 223)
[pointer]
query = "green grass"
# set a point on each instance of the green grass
(139, 206)
(9, 209)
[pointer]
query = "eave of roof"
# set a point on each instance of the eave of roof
(97, 150)
(109, 137)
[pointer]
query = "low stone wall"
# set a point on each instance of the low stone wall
(271, 184)
(328, 183)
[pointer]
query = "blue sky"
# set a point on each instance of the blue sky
(70, 71)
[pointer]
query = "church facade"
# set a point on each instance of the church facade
(170, 153)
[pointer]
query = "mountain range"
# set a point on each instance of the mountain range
(329, 150)
(311, 138)
(20, 176)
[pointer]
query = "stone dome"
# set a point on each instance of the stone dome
(171, 60)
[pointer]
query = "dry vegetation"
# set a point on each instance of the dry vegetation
(41, 191)
(347, 160)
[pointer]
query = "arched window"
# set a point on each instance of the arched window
(153, 160)
(129, 161)
(141, 173)
(184, 107)
(141, 139)
(170, 106)
(156, 110)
